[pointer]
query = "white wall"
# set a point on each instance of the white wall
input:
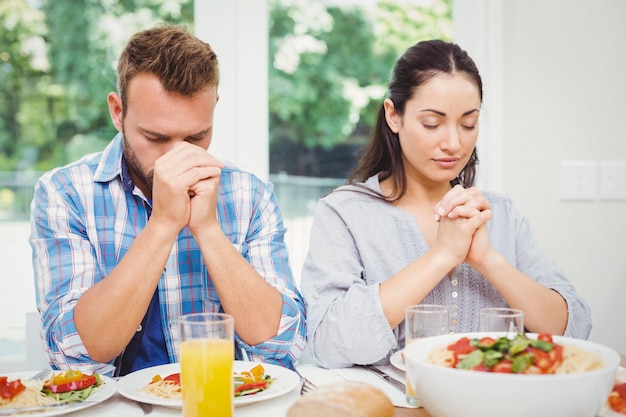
(560, 89)
(237, 30)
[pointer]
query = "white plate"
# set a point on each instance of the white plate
(131, 385)
(100, 394)
(607, 412)
(397, 362)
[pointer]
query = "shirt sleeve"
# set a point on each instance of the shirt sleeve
(64, 267)
(266, 251)
(532, 260)
(345, 318)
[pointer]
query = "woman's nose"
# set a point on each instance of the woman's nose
(452, 141)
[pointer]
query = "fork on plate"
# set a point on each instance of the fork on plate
(42, 375)
(307, 385)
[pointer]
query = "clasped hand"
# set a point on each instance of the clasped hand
(462, 215)
(185, 187)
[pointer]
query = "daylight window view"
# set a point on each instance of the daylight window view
(328, 64)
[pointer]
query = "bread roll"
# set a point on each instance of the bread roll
(343, 399)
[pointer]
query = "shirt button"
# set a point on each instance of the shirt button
(140, 328)
(316, 296)
(455, 282)
(455, 307)
(453, 322)
(455, 294)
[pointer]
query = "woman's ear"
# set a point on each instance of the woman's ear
(393, 118)
(115, 110)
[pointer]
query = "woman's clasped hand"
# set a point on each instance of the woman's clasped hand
(462, 215)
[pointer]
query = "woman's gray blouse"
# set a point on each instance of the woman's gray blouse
(358, 241)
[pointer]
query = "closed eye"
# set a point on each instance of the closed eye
(199, 136)
(194, 138)
(156, 139)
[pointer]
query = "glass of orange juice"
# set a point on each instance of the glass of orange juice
(206, 364)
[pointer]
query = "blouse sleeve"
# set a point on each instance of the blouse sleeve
(531, 259)
(346, 323)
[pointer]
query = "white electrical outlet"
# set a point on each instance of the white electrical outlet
(613, 180)
(578, 180)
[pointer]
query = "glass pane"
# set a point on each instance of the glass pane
(328, 68)
(57, 64)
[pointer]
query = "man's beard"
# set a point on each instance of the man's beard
(146, 178)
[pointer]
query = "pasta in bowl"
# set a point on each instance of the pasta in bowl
(468, 375)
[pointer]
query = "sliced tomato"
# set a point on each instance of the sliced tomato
(256, 385)
(620, 389)
(175, 378)
(481, 368)
(487, 342)
(75, 385)
(542, 360)
(557, 353)
(617, 402)
(505, 366)
(9, 389)
(462, 346)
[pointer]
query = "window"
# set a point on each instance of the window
(314, 95)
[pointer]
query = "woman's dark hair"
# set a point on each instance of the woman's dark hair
(418, 65)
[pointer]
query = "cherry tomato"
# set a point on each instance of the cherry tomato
(545, 337)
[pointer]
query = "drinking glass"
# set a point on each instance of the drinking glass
(422, 320)
(206, 364)
(499, 319)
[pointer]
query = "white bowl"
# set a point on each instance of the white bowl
(450, 392)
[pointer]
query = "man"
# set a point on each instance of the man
(127, 240)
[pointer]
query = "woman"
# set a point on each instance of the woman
(410, 228)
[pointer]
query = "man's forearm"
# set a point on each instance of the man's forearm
(243, 292)
(108, 314)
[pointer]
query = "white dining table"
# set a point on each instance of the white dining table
(118, 405)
